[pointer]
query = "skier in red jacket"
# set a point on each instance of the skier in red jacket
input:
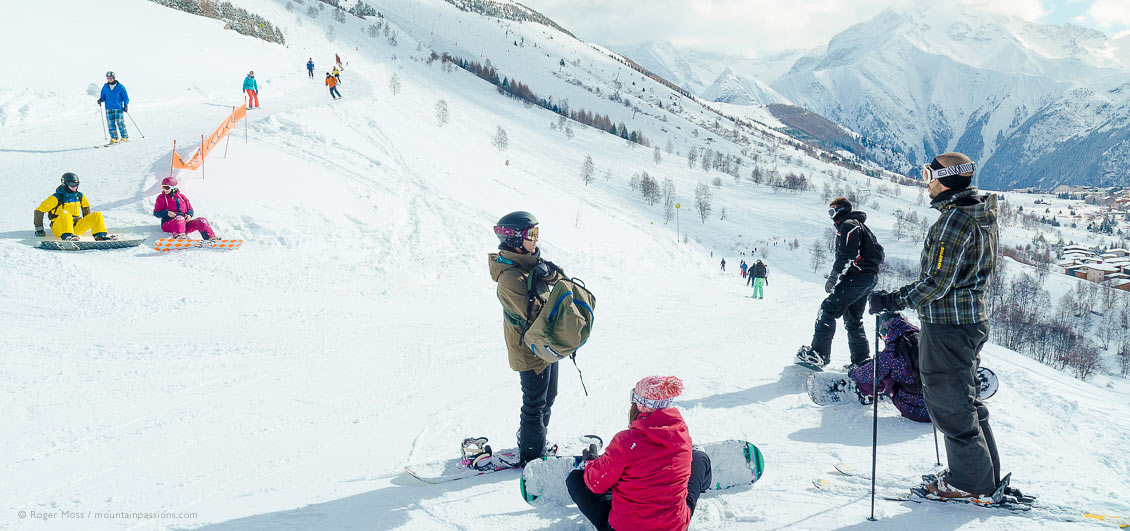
(649, 477)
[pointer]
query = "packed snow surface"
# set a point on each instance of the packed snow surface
(287, 384)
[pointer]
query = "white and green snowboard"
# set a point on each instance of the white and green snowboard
(732, 463)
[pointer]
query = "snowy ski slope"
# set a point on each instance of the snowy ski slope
(285, 385)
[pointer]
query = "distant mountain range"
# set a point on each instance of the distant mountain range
(1035, 105)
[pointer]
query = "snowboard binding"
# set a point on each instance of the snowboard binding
(477, 453)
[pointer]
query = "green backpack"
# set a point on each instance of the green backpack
(565, 321)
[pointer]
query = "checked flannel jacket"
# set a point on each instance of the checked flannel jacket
(958, 257)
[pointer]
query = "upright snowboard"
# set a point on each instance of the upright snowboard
(85, 245)
(732, 463)
(172, 244)
(826, 388)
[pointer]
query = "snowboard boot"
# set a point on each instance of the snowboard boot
(180, 236)
(68, 237)
(806, 357)
(103, 237)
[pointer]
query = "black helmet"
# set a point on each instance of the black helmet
(69, 179)
(515, 227)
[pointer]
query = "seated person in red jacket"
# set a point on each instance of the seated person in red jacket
(649, 477)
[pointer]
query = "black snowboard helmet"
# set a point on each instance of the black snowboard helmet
(515, 227)
(68, 179)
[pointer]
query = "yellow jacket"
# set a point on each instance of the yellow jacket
(74, 203)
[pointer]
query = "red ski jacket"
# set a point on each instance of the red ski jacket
(647, 467)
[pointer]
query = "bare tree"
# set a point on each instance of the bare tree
(703, 201)
(588, 169)
(441, 113)
(649, 188)
(817, 253)
(501, 141)
(670, 147)
(691, 157)
(723, 212)
(668, 200)
(394, 84)
(657, 155)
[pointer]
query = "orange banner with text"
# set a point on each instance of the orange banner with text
(227, 126)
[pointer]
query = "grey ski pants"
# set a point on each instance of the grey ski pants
(948, 359)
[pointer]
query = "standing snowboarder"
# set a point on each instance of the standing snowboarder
(723, 264)
(252, 90)
(517, 260)
(759, 273)
(68, 210)
(851, 280)
(649, 477)
(310, 67)
(957, 261)
(331, 82)
(176, 214)
(116, 98)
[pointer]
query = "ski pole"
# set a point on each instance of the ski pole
(579, 375)
(875, 414)
(937, 452)
(103, 120)
(135, 125)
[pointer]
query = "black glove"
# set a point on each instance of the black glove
(125, 108)
(830, 285)
(541, 270)
(40, 232)
(590, 453)
(881, 301)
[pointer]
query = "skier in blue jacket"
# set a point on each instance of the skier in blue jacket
(251, 87)
(310, 67)
(117, 103)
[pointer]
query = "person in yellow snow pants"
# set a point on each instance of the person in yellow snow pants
(69, 212)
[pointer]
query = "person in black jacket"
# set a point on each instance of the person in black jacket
(851, 280)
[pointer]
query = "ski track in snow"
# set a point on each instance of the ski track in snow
(285, 385)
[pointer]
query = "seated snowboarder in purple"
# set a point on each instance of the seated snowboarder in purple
(176, 214)
(898, 373)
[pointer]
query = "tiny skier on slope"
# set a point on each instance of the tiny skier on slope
(851, 280)
(518, 258)
(251, 87)
(69, 212)
(116, 98)
(176, 214)
(331, 82)
(649, 477)
(759, 276)
(310, 67)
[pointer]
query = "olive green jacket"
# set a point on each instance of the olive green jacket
(511, 270)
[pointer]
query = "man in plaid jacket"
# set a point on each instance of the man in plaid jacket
(958, 257)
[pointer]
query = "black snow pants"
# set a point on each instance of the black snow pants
(597, 507)
(848, 300)
(538, 394)
(948, 359)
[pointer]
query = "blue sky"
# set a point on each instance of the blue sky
(762, 27)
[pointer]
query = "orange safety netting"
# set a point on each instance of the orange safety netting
(211, 141)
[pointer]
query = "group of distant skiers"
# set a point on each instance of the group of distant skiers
(333, 79)
(650, 478)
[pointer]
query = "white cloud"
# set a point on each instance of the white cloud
(1031, 10)
(1108, 13)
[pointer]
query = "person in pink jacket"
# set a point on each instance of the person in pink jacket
(649, 476)
(176, 214)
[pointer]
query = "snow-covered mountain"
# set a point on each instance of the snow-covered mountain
(1009, 93)
(731, 87)
(285, 386)
(698, 70)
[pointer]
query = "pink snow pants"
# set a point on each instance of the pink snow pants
(178, 225)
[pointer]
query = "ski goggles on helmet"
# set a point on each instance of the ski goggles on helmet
(930, 174)
(528, 233)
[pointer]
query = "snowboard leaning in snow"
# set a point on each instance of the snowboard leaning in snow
(826, 388)
(732, 463)
(84, 245)
(172, 244)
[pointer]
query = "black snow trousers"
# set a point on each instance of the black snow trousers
(538, 394)
(847, 300)
(948, 359)
(597, 507)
